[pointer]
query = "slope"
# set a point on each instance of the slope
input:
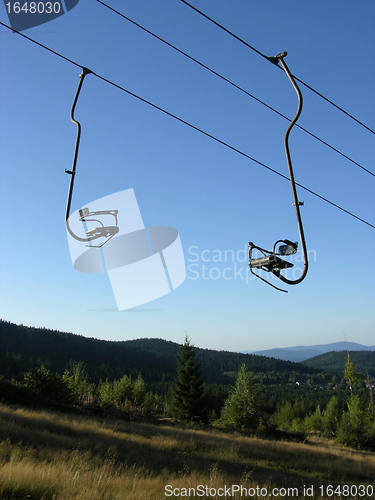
(364, 361)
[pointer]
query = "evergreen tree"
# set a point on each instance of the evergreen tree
(188, 391)
(354, 427)
(351, 376)
(331, 417)
(241, 409)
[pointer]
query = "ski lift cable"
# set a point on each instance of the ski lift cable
(234, 85)
(190, 125)
(270, 59)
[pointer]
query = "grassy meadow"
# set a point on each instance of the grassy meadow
(52, 455)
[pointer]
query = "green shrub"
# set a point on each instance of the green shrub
(52, 387)
(314, 422)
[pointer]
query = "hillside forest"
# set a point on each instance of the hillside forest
(154, 380)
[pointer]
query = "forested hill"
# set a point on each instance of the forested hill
(24, 347)
(364, 361)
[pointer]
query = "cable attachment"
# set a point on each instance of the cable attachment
(276, 59)
(281, 55)
(270, 260)
(85, 71)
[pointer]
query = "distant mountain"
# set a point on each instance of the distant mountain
(298, 354)
(364, 361)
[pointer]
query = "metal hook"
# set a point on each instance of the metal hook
(296, 203)
(96, 234)
(270, 261)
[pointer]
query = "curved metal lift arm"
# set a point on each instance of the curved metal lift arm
(271, 262)
(112, 230)
(296, 203)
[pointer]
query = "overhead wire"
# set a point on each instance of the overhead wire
(181, 120)
(271, 59)
(233, 84)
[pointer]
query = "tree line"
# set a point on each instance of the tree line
(244, 408)
(344, 415)
(194, 386)
(23, 348)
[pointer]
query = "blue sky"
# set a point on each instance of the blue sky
(217, 199)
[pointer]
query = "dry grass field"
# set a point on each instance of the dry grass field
(50, 455)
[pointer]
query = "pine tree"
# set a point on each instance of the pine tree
(241, 409)
(351, 376)
(355, 424)
(188, 392)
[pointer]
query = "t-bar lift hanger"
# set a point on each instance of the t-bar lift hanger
(271, 262)
(100, 231)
